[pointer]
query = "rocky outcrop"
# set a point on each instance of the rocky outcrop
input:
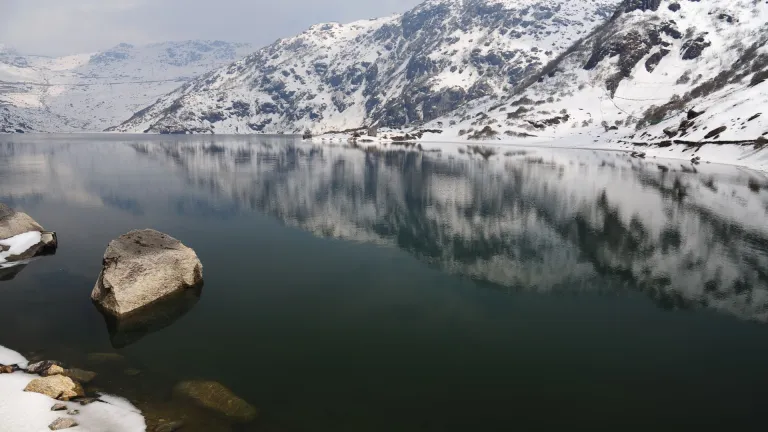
(17, 228)
(56, 387)
(13, 223)
(216, 397)
(143, 267)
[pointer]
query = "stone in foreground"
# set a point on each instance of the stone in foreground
(142, 267)
(216, 397)
(56, 387)
(62, 423)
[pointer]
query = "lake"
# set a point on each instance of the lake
(387, 290)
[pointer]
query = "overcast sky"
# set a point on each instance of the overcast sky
(56, 27)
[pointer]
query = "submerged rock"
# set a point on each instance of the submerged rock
(87, 401)
(56, 387)
(142, 267)
(216, 397)
(80, 375)
(170, 427)
(62, 423)
(98, 358)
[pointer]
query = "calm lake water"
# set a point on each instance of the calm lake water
(348, 290)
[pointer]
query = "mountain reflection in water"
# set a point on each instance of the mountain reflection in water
(550, 221)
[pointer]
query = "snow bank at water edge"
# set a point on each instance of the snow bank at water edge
(749, 156)
(18, 245)
(22, 411)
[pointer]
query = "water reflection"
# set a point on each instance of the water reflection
(129, 329)
(9, 273)
(549, 221)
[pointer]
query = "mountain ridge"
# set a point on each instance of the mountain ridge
(389, 71)
(92, 91)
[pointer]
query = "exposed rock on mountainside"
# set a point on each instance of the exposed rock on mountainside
(90, 92)
(391, 71)
(639, 76)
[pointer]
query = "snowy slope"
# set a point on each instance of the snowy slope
(637, 80)
(91, 92)
(390, 71)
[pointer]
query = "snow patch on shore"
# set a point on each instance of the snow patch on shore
(21, 411)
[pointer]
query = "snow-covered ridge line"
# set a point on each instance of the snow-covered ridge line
(671, 77)
(390, 71)
(90, 92)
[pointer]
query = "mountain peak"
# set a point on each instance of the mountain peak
(390, 71)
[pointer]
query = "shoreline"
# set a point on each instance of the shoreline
(737, 155)
(25, 406)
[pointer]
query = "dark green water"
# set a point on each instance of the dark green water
(398, 291)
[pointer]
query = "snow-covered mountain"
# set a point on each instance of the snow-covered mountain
(391, 71)
(90, 92)
(660, 71)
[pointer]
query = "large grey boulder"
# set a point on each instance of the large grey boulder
(143, 267)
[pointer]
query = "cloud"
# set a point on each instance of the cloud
(57, 27)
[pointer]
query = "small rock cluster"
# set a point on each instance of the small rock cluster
(139, 269)
(59, 383)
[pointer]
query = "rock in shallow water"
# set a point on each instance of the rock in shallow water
(56, 387)
(99, 358)
(142, 267)
(216, 397)
(80, 375)
(13, 223)
(170, 427)
(62, 423)
(53, 370)
(42, 366)
(14, 229)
